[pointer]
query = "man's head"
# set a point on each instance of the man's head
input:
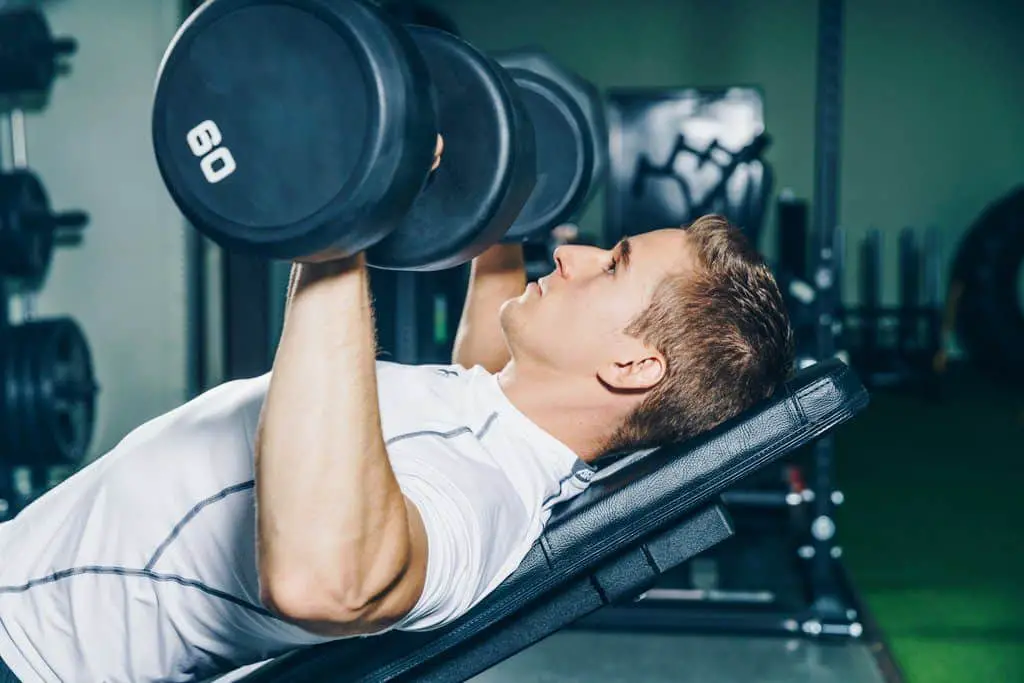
(674, 330)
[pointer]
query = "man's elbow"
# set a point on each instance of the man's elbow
(302, 599)
(327, 609)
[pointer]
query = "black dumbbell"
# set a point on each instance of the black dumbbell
(29, 230)
(302, 129)
(30, 57)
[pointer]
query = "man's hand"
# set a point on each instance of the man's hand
(497, 275)
(341, 551)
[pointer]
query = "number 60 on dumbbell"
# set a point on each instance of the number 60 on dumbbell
(306, 129)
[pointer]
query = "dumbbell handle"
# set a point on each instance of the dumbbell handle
(71, 219)
(67, 226)
(67, 220)
(63, 46)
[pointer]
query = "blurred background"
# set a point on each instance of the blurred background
(920, 280)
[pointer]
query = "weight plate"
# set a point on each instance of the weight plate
(287, 128)
(10, 409)
(565, 157)
(420, 14)
(989, 309)
(27, 52)
(26, 228)
(49, 390)
(584, 93)
(488, 168)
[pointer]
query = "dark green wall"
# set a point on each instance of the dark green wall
(933, 100)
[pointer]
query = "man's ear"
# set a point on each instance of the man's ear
(639, 373)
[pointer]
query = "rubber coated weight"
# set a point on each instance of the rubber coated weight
(565, 157)
(30, 57)
(984, 289)
(488, 168)
(47, 405)
(29, 231)
(585, 94)
(293, 129)
(420, 14)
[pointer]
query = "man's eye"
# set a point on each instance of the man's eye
(612, 265)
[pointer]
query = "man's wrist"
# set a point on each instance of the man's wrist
(314, 271)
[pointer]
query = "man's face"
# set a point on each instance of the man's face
(573, 320)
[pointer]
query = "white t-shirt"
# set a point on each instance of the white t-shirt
(142, 566)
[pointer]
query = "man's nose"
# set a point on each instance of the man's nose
(572, 259)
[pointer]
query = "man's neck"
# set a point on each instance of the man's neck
(579, 416)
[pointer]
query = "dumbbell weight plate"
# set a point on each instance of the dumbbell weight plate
(488, 168)
(47, 410)
(584, 93)
(26, 245)
(290, 128)
(565, 157)
(28, 52)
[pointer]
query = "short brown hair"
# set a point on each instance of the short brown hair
(725, 335)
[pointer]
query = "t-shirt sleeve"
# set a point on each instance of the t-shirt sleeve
(478, 528)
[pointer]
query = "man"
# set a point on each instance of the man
(338, 496)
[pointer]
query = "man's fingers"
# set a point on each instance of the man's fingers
(438, 151)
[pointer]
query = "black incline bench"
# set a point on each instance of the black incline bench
(641, 516)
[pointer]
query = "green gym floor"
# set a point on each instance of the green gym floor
(932, 529)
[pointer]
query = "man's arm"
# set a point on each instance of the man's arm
(497, 275)
(341, 550)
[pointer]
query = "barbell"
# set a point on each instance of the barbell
(306, 129)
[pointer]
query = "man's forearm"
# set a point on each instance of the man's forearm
(497, 275)
(333, 525)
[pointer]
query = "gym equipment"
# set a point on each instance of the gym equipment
(829, 592)
(572, 140)
(29, 230)
(30, 57)
(344, 166)
(897, 346)
(676, 155)
(786, 522)
(792, 273)
(47, 393)
(792, 216)
(640, 517)
(421, 14)
(985, 305)
(417, 314)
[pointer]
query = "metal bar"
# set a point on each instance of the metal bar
(762, 499)
(406, 319)
(6, 153)
(246, 291)
(19, 140)
(870, 297)
(792, 235)
(824, 589)
(196, 361)
(909, 256)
